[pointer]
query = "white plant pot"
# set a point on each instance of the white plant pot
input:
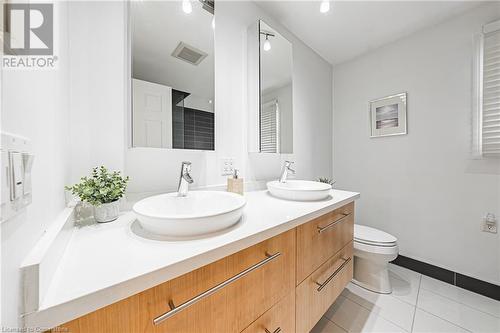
(107, 212)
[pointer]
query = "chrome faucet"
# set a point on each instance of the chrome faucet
(287, 167)
(184, 179)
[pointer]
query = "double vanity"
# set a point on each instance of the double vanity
(278, 268)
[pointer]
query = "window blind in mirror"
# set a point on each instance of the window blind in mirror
(269, 128)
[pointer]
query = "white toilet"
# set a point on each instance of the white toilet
(373, 250)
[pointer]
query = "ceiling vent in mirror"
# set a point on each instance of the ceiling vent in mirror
(189, 54)
(208, 5)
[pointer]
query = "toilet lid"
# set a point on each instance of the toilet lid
(372, 236)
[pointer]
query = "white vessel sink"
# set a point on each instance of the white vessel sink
(299, 190)
(195, 215)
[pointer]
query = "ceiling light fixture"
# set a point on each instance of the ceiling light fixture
(325, 6)
(186, 6)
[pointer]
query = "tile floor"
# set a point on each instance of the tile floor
(418, 304)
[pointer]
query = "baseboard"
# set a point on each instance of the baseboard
(466, 282)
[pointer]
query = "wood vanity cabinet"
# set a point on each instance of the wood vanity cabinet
(321, 238)
(317, 292)
(284, 284)
(280, 318)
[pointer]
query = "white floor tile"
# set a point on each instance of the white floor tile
(457, 313)
(463, 296)
(326, 326)
(405, 283)
(352, 317)
(428, 323)
(386, 306)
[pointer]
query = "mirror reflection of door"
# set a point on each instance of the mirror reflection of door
(173, 74)
(152, 114)
(276, 88)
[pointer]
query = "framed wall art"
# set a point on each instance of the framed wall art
(388, 116)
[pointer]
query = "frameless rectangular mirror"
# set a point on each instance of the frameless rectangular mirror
(270, 83)
(276, 116)
(172, 47)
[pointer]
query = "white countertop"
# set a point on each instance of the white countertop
(104, 263)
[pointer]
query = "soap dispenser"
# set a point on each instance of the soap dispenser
(235, 184)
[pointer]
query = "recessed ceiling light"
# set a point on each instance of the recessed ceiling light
(186, 6)
(325, 6)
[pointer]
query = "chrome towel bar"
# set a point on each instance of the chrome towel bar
(176, 309)
(328, 226)
(322, 285)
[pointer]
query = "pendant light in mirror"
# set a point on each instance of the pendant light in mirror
(267, 42)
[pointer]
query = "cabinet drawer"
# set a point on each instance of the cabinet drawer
(318, 291)
(280, 318)
(245, 285)
(321, 238)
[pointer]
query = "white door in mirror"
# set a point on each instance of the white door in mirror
(152, 114)
(299, 190)
(198, 214)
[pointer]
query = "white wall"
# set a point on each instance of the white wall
(423, 187)
(96, 52)
(35, 105)
(157, 170)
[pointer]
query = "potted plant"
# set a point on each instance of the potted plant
(102, 189)
(326, 180)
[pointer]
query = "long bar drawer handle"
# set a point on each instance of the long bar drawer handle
(278, 330)
(323, 285)
(328, 226)
(176, 309)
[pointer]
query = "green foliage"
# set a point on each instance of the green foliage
(100, 187)
(326, 180)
